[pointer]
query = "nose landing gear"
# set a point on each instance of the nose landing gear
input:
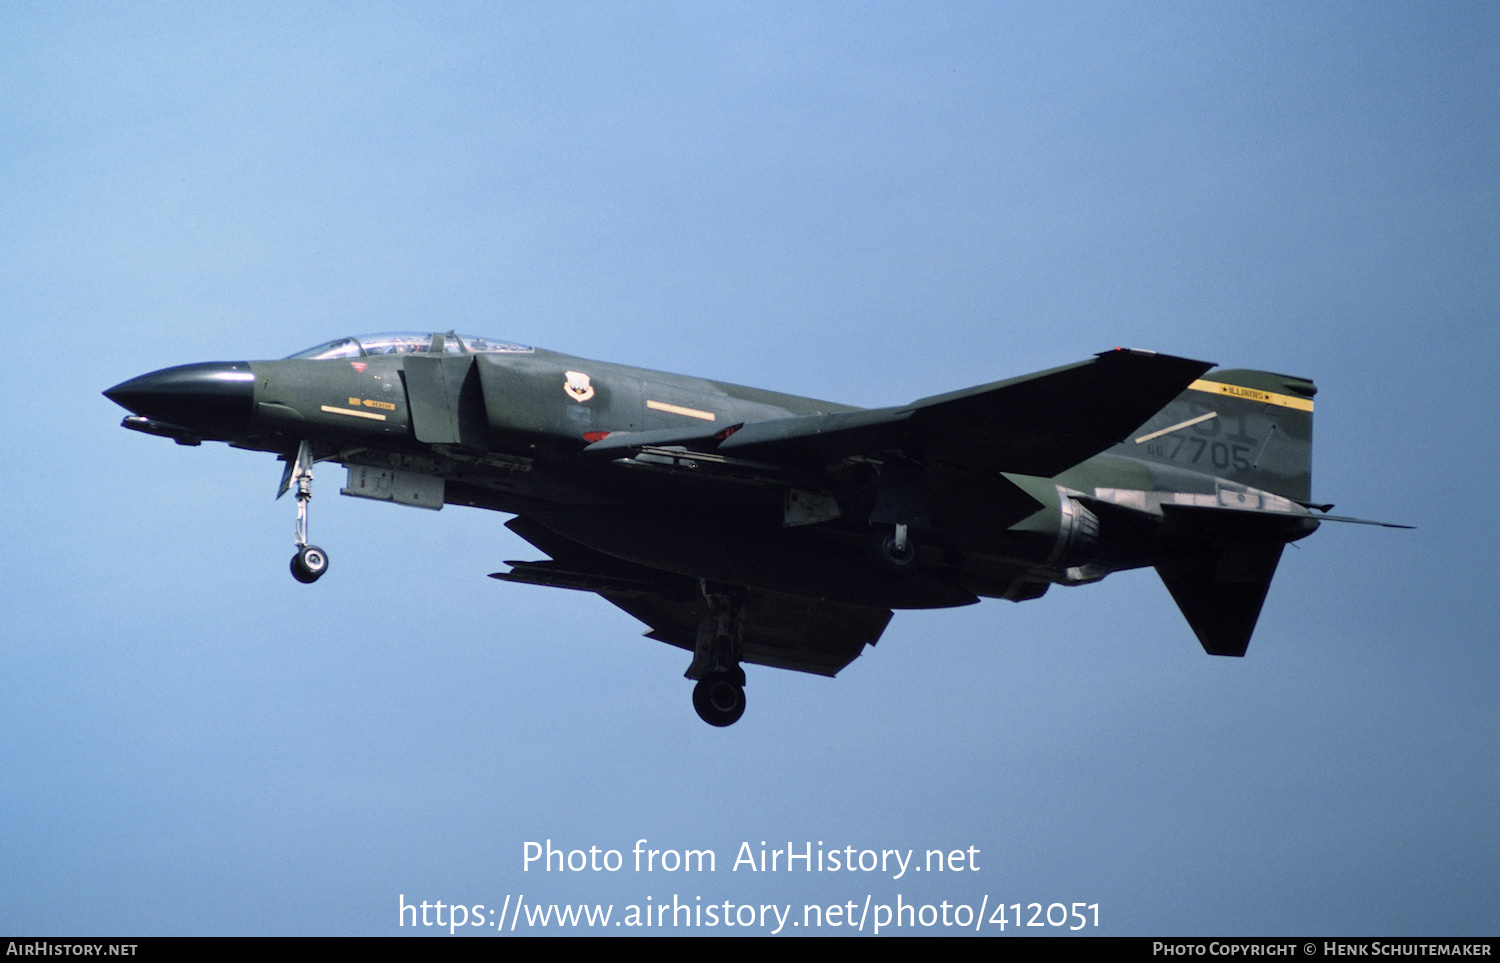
(310, 562)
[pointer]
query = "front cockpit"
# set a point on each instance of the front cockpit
(238, 400)
(408, 342)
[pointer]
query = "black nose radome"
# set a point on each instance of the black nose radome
(214, 399)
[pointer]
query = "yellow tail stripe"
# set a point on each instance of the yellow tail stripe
(1252, 394)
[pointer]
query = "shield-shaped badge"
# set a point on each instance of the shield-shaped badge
(578, 387)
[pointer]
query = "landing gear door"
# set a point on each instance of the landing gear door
(446, 402)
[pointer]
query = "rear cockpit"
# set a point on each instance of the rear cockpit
(407, 342)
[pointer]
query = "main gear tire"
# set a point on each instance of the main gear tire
(719, 699)
(896, 557)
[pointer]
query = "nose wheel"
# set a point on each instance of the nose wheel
(310, 562)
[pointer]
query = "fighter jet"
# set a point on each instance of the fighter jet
(749, 526)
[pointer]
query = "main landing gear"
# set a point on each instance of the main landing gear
(719, 695)
(720, 698)
(310, 562)
(896, 549)
(900, 505)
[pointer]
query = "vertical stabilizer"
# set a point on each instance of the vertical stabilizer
(1251, 427)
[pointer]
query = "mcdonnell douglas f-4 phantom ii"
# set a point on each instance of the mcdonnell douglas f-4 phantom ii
(751, 526)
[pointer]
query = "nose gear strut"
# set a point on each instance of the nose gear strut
(310, 562)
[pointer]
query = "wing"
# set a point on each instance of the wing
(1038, 424)
(782, 631)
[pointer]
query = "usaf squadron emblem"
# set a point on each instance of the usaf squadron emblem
(578, 387)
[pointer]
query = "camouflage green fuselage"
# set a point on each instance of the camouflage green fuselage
(509, 431)
(693, 503)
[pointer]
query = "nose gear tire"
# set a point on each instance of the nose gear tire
(309, 564)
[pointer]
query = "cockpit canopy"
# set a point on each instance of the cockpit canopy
(407, 342)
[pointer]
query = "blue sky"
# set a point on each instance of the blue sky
(863, 202)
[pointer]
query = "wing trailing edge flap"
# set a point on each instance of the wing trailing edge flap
(1037, 424)
(781, 631)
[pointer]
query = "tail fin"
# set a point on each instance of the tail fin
(1251, 427)
(1248, 427)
